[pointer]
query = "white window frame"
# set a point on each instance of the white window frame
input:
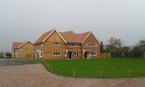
(72, 44)
(93, 53)
(57, 43)
(76, 54)
(56, 53)
(87, 45)
(93, 44)
(41, 53)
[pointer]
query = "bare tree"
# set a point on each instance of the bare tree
(101, 47)
(139, 49)
(70, 31)
(113, 45)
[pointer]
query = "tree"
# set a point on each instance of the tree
(1, 54)
(8, 55)
(139, 49)
(101, 47)
(70, 31)
(113, 45)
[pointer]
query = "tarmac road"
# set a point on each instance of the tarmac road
(10, 62)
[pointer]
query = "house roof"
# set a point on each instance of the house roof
(74, 37)
(43, 37)
(19, 44)
(16, 45)
(66, 36)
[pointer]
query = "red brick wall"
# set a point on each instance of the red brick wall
(86, 46)
(26, 51)
(77, 48)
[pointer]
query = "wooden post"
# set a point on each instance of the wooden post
(74, 73)
(57, 71)
(48, 67)
(100, 73)
(129, 73)
(52, 69)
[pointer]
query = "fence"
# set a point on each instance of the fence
(105, 55)
(99, 74)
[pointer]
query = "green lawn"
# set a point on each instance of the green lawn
(96, 68)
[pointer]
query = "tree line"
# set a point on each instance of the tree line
(5, 55)
(118, 50)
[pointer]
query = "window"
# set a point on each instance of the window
(41, 45)
(76, 54)
(57, 43)
(72, 44)
(86, 45)
(93, 53)
(56, 53)
(93, 45)
(41, 54)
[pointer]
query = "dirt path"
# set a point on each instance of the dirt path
(34, 75)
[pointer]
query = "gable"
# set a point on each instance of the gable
(26, 45)
(44, 36)
(91, 38)
(55, 37)
(15, 45)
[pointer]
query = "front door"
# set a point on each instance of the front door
(69, 55)
(86, 55)
(37, 55)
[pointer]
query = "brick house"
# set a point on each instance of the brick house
(22, 50)
(63, 45)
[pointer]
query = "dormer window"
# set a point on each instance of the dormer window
(57, 43)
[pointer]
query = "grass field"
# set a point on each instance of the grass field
(96, 68)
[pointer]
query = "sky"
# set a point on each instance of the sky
(27, 20)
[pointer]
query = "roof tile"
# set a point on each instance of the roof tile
(67, 36)
(74, 37)
(16, 45)
(40, 39)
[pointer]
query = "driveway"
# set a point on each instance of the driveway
(35, 75)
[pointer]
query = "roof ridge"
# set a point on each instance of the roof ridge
(66, 36)
(86, 32)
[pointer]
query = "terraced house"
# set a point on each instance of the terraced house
(22, 50)
(63, 45)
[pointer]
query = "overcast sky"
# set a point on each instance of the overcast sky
(23, 20)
